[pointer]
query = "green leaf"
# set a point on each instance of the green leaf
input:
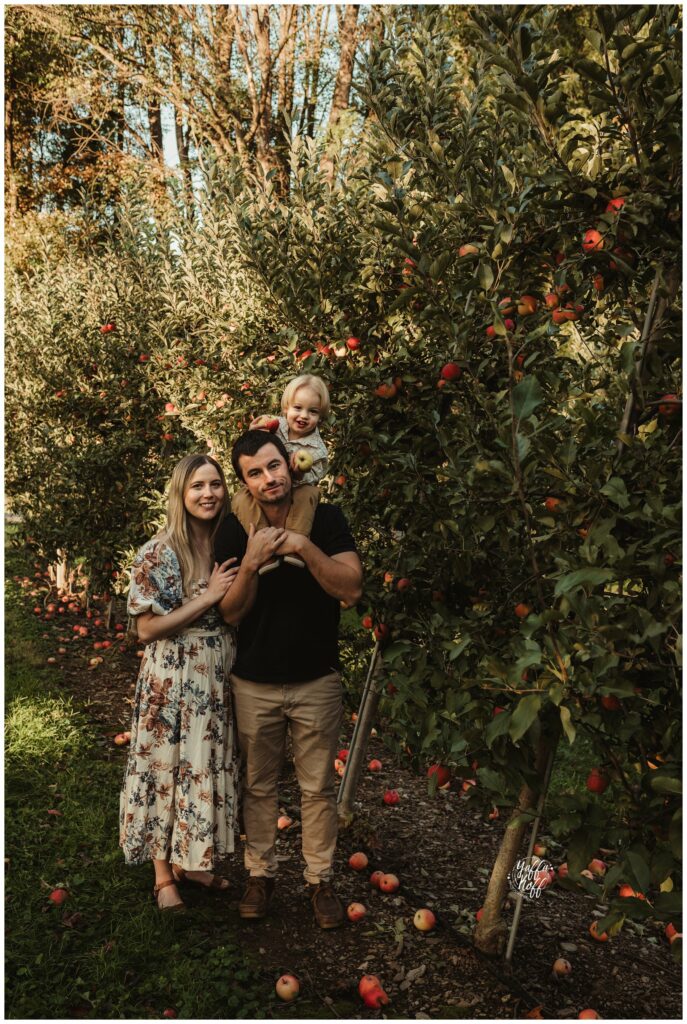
(675, 834)
(639, 868)
(590, 576)
(616, 491)
(566, 722)
(666, 784)
(485, 275)
(523, 716)
(527, 395)
(438, 266)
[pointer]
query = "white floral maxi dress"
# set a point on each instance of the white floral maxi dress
(180, 792)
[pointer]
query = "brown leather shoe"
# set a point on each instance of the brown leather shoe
(327, 906)
(256, 897)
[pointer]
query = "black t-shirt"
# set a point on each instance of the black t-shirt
(290, 634)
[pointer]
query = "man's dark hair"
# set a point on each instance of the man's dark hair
(250, 443)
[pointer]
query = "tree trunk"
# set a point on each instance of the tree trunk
(10, 170)
(348, 39)
(285, 82)
(491, 931)
(155, 123)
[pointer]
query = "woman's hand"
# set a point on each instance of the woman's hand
(221, 579)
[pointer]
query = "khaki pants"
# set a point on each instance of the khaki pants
(312, 711)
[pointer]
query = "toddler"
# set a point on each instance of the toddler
(304, 404)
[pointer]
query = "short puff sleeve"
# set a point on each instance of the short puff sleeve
(155, 580)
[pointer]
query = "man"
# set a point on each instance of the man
(287, 669)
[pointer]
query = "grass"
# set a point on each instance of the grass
(106, 952)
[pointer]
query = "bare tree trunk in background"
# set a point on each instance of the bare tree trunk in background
(155, 124)
(288, 23)
(348, 40)
(491, 931)
(10, 171)
(315, 23)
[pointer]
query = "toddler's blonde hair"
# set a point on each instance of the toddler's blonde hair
(307, 380)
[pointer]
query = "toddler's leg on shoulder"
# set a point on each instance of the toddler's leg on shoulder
(247, 511)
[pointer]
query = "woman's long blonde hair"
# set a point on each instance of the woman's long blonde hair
(176, 531)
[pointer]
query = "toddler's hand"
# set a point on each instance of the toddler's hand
(270, 423)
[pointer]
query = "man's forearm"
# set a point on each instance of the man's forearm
(240, 597)
(338, 579)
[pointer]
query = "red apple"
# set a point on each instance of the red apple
(615, 205)
(343, 755)
(450, 371)
(122, 738)
(358, 861)
(562, 967)
(527, 305)
(563, 871)
(669, 405)
(626, 891)
(366, 622)
(58, 896)
(375, 878)
(468, 249)
(442, 773)
(284, 821)
(355, 911)
(671, 933)
(386, 390)
(597, 782)
(592, 240)
(479, 915)
(595, 934)
(610, 703)
(522, 610)
(170, 1014)
(367, 982)
(265, 422)
(391, 797)
(388, 883)
(353, 343)
(374, 765)
(588, 1015)
(287, 987)
(424, 920)
(597, 867)
(375, 997)
(551, 300)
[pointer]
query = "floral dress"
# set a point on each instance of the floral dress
(179, 798)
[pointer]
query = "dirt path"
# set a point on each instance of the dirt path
(441, 849)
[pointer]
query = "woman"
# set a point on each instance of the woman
(178, 802)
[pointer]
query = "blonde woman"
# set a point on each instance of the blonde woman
(178, 801)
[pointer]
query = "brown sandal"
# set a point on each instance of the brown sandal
(216, 883)
(163, 885)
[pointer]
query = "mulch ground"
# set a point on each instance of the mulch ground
(441, 848)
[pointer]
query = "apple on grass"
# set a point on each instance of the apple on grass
(287, 987)
(58, 896)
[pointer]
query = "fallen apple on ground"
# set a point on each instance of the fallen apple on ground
(375, 878)
(355, 911)
(358, 861)
(287, 987)
(424, 920)
(389, 883)
(284, 821)
(391, 797)
(375, 765)
(58, 896)
(562, 967)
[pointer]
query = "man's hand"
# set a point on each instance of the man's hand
(262, 545)
(293, 543)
